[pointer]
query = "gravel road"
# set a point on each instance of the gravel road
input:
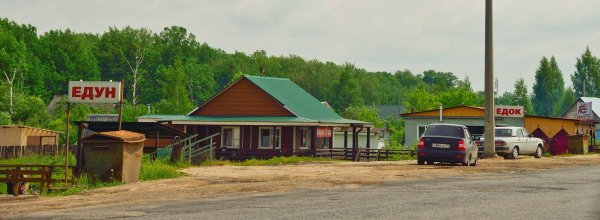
(563, 193)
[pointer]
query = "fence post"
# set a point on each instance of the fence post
(210, 151)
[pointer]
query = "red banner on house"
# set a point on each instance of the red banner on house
(323, 132)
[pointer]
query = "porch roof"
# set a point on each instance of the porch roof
(253, 120)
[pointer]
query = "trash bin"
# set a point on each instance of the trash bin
(578, 144)
(113, 155)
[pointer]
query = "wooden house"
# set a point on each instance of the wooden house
(263, 117)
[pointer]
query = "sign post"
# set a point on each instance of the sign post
(92, 92)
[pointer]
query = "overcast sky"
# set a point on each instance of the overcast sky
(377, 35)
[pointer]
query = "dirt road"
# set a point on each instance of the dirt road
(219, 181)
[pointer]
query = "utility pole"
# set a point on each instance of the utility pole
(490, 123)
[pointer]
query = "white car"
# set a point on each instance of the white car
(514, 141)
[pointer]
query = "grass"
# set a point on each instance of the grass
(161, 169)
(272, 161)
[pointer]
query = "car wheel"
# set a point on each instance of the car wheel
(429, 162)
(514, 153)
(467, 162)
(538, 152)
(475, 162)
(420, 161)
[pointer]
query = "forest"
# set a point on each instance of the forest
(171, 72)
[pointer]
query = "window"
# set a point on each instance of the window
(303, 137)
(230, 137)
(525, 133)
(520, 133)
(504, 132)
(269, 138)
(445, 130)
(421, 130)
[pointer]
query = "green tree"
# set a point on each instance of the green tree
(12, 59)
(348, 92)
(5, 118)
(565, 101)
(440, 81)
(507, 98)
(363, 113)
(128, 49)
(521, 97)
(587, 74)
(420, 99)
(173, 90)
(548, 87)
(462, 95)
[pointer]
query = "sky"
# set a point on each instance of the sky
(376, 35)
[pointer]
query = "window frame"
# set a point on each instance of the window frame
(234, 144)
(309, 139)
(271, 137)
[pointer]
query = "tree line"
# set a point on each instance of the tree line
(171, 72)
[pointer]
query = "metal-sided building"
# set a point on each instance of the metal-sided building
(554, 131)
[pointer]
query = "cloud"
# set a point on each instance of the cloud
(388, 35)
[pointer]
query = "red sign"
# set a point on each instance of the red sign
(323, 132)
(510, 111)
(94, 92)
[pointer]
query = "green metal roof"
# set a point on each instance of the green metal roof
(258, 119)
(304, 106)
(298, 101)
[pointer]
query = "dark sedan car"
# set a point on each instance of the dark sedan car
(449, 143)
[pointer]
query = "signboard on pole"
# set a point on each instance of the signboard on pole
(509, 111)
(323, 132)
(94, 92)
(584, 109)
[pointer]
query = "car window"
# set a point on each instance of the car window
(525, 133)
(504, 132)
(466, 132)
(520, 133)
(445, 130)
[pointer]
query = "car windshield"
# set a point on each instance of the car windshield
(444, 130)
(503, 132)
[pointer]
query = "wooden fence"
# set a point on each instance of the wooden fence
(14, 174)
(358, 154)
(8, 152)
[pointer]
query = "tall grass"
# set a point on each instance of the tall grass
(161, 168)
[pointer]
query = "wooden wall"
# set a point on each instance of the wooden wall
(461, 111)
(551, 126)
(243, 99)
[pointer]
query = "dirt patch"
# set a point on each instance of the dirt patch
(219, 181)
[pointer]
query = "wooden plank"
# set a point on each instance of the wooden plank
(24, 179)
(23, 172)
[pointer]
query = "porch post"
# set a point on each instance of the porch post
(331, 139)
(313, 142)
(156, 141)
(345, 139)
(368, 137)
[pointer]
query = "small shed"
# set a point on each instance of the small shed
(20, 135)
(113, 155)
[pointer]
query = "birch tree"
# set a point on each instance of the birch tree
(12, 54)
(131, 46)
